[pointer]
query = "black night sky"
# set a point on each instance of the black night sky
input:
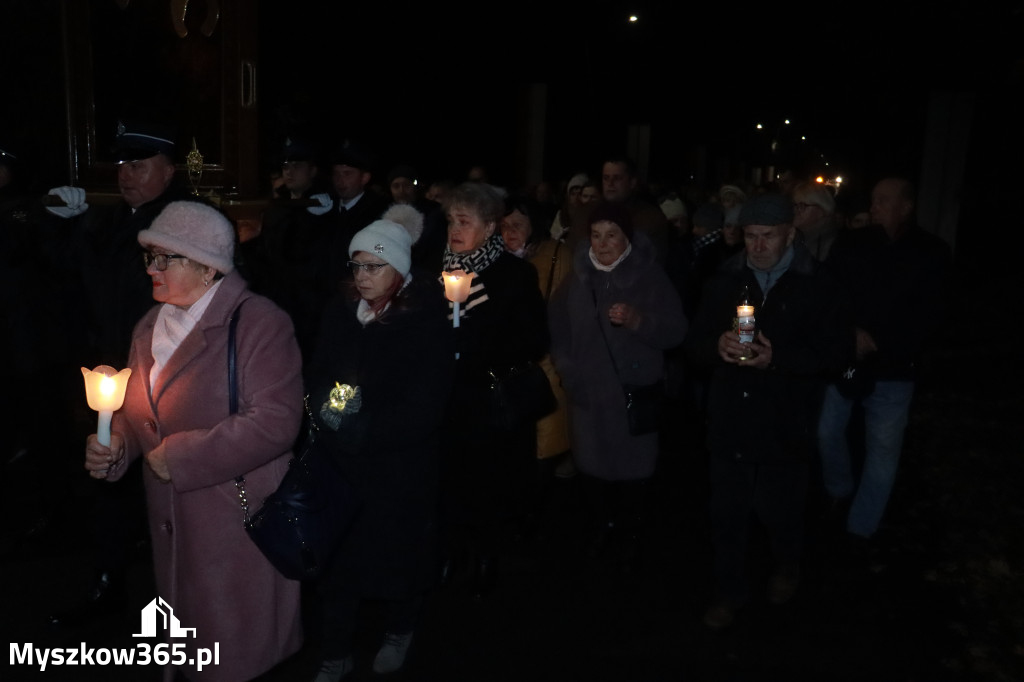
(442, 87)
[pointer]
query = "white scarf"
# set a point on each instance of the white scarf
(609, 268)
(173, 324)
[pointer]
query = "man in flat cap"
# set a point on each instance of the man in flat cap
(764, 396)
(111, 291)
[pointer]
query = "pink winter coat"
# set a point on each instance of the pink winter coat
(207, 568)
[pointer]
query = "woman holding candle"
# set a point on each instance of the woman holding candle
(488, 470)
(176, 417)
(387, 337)
(611, 321)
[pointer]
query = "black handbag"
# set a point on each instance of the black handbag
(520, 395)
(300, 524)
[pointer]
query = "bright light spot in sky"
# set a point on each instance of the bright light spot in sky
(632, 19)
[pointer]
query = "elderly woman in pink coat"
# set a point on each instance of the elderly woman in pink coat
(176, 417)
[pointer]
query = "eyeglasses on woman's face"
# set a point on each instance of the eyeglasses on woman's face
(368, 268)
(160, 260)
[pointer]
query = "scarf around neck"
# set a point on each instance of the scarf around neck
(173, 324)
(767, 278)
(476, 262)
(609, 268)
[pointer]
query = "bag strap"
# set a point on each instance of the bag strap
(600, 327)
(233, 402)
(551, 272)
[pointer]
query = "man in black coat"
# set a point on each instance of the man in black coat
(764, 396)
(355, 204)
(897, 277)
(281, 262)
(110, 290)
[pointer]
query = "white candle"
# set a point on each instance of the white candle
(456, 290)
(104, 391)
(456, 285)
(745, 323)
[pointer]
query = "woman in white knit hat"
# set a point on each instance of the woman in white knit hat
(388, 339)
(178, 419)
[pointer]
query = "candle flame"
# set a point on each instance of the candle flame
(107, 386)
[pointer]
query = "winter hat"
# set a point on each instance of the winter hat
(199, 232)
(391, 238)
(579, 180)
(673, 208)
(617, 213)
(737, 194)
(767, 209)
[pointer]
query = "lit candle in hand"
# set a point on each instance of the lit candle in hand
(745, 323)
(456, 290)
(104, 391)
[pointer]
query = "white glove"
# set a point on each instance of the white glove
(326, 204)
(73, 197)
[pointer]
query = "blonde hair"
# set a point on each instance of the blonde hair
(816, 195)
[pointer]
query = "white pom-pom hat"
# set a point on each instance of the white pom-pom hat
(391, 238)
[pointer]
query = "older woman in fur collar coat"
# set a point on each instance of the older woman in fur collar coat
(611, 322)
(176, 416)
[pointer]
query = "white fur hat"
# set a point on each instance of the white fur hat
(199, 232)
(391, 238)
(673, 208)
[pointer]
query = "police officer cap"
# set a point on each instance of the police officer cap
(353, 154)
(137, 140)
(298, 149)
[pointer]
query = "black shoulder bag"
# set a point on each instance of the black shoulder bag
(300, 524)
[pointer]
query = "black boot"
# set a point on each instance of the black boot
(105, 597)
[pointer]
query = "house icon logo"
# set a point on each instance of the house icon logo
(158, 615)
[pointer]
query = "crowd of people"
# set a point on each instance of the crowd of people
(616, 296)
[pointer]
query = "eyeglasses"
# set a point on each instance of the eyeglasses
(368, 268)
(803, 206)
(161, 260)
